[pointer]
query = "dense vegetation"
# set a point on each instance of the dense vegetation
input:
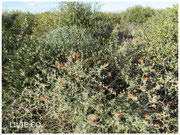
(78, 70)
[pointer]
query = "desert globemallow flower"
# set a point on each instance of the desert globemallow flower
(76, 54)
(146, 115)
(61, 81)
(168, 103)
(93, 121)
(59, 64)
(39, 96)
(145, 78)
(78, 59)
(105, 64)
(118, 113)
(131, 95)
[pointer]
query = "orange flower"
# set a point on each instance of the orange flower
(145, 78)
(100, 86)
(146, 115)
(76, 54)
(140, 58)
(96, 115)
(92, 122)
(78, 60)
(150, 91)
(59, 64)
(39, 96)
(131, 57)
(61, 81)
(153, 110)
(131, 95)
(118, 113)
(109, 73)
(142, 62)
(168, 103)
(90, 58)
(106, 64)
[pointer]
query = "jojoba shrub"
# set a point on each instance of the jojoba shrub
(8, 18)
(19, 59)
(46, 22)
(133, 17)
(160, 35)
(136, 14)
(18, 23)
(63, 40)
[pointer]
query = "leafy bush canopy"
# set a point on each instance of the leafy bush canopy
(77, 13)
(46, 22)
(159, 35)
(8, 18)
(137, 14)
(85, 15)
(63, 40)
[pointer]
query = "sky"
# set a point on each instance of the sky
(110, 6)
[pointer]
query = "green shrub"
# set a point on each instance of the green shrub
(8, 18)
(133, 17)
(19, 23)
(86, 15)
(156, 41)
(63, 40)
(159, 37)
(136, 15)
(14, 20)
(46, 22)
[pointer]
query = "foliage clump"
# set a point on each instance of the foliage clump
(86, 15)
(63, 40)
